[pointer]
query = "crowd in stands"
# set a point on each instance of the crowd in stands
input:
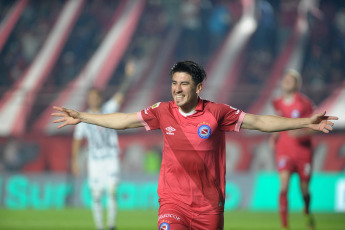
(204, 25)
(324, 68)
(84, 39)
(26, 38)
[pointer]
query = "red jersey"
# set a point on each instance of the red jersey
(192, 172)
(300, 107)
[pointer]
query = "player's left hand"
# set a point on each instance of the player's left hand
(320, 122)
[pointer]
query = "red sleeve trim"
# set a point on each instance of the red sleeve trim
(141, 119)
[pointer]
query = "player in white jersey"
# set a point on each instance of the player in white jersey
(103, 152)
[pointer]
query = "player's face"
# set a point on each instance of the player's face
(184, 91)
(94, 99)
(289, 83)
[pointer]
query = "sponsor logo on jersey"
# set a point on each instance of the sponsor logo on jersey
(170, 130)
(168, 215)
(164, 226)
(151, 107)
(204, 130)
(295, 113)
(155, 105)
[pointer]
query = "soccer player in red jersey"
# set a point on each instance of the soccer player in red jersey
(293, 148)
(191, 185)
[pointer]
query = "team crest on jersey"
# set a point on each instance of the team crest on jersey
(164, 226)
(295, 113)
(204, 130)
(282, 163)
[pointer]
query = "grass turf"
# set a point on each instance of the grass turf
(128, 220)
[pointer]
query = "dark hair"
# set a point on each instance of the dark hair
(195, 70)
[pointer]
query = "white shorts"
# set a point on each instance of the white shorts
(103, 173)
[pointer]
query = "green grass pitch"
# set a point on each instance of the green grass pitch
(128, 220)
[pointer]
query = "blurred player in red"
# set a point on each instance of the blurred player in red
(293, 148)
(191, 185)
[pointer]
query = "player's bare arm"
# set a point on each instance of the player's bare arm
(76, 145)
(116, 121)
(269, 123)
(126, 83)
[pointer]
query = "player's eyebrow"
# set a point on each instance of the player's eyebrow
(174, 81)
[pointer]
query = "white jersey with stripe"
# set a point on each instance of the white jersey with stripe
(102, 142)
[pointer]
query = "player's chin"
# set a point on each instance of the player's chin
(178, 102)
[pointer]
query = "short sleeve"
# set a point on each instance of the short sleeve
(230, 118)
(275, 104)
(111, 106)
(79, 132)
(150, 117)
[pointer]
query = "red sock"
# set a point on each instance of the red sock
(283, 208)
(306, 203)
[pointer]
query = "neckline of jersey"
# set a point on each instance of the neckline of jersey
(186, 114)
(290, 101)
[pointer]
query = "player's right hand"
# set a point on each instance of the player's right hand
(321, 122)
(68, 116)
(130, 68)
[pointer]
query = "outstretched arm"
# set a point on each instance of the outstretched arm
(120, 95)
(113, 120)
(76, 146)
(268, 123)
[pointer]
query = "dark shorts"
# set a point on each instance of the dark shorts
(300, 166)
(173, 217)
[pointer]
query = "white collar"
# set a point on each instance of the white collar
(186, 114)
